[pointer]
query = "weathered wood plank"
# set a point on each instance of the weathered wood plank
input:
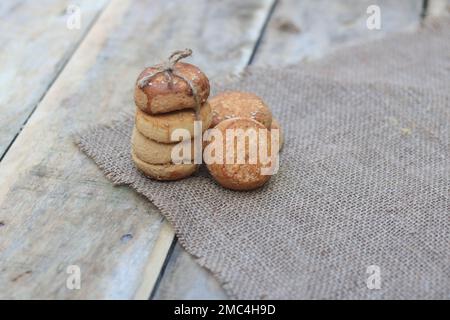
(305, 30)
(155, 262)
(298, 30)
(36, 45)
(198, 283)
(56, 207)
(437, 8)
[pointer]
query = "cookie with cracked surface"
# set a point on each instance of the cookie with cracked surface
(244, 174)
(162, 94)
(164, 172)
(237, 104)
(153, 152)
(159, 127)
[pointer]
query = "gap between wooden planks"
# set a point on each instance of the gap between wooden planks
(37, 45)
(56, 207)
(297, 31)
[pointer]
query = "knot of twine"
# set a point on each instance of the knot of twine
(168, 68)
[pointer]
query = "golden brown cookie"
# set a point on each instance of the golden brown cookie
(154, 152)
(276, 125)
(234, 175)
(161, 95)
(167, 171)
(236, 104)
(159, 127)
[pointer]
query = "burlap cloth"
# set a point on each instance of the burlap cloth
(364, 179)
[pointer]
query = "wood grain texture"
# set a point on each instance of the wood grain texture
(56, 207)
(183, 278)
(155, 262)
(36, 45)
(297, 30)
(306, 30)
(438, 8)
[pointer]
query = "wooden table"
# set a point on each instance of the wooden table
(56, 207)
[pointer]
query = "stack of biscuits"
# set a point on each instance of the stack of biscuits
(169, 96)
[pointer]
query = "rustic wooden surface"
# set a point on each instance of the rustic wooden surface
(306, 30)
(38, 45)
(439, 8)
(56, 208)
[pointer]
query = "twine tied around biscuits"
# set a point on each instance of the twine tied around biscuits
(168, 68)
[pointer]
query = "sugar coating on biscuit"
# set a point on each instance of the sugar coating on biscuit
(240, 176)
(237, 104)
